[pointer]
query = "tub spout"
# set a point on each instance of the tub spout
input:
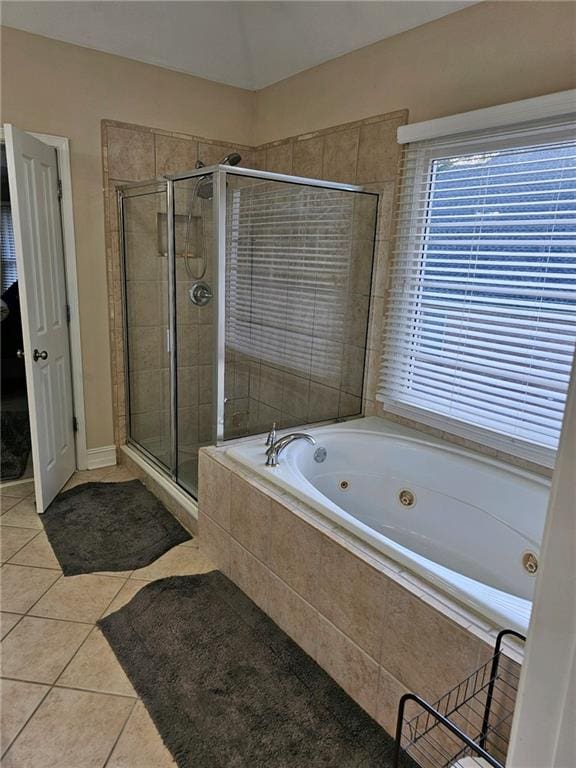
(277, 447)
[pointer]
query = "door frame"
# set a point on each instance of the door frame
(62, 146)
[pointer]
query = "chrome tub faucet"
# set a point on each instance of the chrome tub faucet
(276, 448)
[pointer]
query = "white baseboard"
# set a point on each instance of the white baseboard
(101, 457)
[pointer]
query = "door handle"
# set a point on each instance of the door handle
(20, 353)
(39, 355)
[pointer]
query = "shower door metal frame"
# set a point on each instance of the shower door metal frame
(165, 184)
(143, 189)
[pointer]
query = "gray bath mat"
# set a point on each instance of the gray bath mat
(16, 445)
(109, 527)
(228, 689)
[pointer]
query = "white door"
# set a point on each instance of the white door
(34, 198)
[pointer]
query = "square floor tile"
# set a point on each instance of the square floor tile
(18, 700)
(78, 598)
(140, 745)
(119, 475)
(12, 539)
(21, 586)
(38, 649)
(129, 589)
(179, 561)
(95, 668)
(18, 490)
(70, 729)
(88, 476)
(7, 502)
(8, 621)
(37, 553)
(23, 515)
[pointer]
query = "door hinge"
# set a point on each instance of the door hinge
(68, 313)
(74, 424)
(59, 189)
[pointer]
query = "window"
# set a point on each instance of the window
(9, 273)
(482, 310)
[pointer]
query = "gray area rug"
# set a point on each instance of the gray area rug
(227, 688)
(109, 527)
(16, 444)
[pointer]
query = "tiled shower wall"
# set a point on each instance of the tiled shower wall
(364, 152)
(136, 153)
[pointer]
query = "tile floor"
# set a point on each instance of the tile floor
(65, 700)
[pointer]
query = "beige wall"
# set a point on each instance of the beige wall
(53, 87)
(488, 54)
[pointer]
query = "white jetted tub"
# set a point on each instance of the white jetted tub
(469, 524)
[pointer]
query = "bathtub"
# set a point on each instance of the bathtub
(470, 525)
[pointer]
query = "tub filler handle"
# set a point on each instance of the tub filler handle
(274, 451)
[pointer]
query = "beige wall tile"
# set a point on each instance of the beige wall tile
(18, 702)
(39, 649)
(95, 668)
(214, 542)
(21, 586)
(294, 615)
(130, 154)
(390, 692)
(353, 669)
(294, 551)
(174, 155)
(214, 491)
(250, 575)
(307, 158)
(378, 151)
(250, 517)
(423, 649)
(352, 595)
(340, 155)
(140, 745)
(70, 729)
(279, 158)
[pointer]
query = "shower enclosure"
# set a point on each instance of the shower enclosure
(246, 299)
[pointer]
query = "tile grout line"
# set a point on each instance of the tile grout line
(70, 688)
(105, 763)
(7, 562)
(36, 708)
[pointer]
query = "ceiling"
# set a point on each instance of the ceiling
(247, 44)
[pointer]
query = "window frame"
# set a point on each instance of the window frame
(417, 182)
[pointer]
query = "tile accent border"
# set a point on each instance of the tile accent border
(377, 630)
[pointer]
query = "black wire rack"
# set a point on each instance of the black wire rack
(469, 725)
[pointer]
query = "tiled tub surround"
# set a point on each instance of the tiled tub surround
(377, 629)
(364, 152)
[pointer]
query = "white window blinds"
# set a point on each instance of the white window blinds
(482, 308)
(289, 260)
(9, 273)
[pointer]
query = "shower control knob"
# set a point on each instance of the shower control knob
(200, 294)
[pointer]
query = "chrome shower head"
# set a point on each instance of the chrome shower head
(232, 159)
(205, 187)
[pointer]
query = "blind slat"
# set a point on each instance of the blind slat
(481, 317)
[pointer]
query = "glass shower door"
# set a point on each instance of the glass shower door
(196, 320)
(147, 319)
